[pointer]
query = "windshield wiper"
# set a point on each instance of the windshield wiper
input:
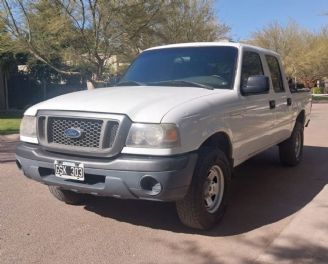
(182, 83)
(129, 83)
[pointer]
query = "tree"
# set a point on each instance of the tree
(287, 41)
(76, 37)
(192, 20)
(304, 53)
(183, 21)
(313, 63)
(68, 35)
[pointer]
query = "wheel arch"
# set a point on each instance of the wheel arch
(301, 117)
(220, 140)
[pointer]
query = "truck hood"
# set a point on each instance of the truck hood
(146, 104)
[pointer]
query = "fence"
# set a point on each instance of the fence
(24, 91)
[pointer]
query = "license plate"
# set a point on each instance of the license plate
(69, 170)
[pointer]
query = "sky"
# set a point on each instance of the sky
(247, 16)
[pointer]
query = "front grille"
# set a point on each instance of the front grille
(112, 128)
(91, 132)
(96, 134)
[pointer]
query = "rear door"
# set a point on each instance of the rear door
(283, 100)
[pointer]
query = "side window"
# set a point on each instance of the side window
(275, 72)
(252, 65)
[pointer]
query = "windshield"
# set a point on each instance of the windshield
(206, 67)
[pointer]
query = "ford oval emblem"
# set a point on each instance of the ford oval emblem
(73, 133)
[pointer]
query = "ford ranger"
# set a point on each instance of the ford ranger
(173, 129)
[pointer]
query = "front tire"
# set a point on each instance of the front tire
(205, 202)
(68, 197)
(291, 150)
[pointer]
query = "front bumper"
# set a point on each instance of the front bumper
(118, 177)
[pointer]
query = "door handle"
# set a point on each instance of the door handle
(289, 101)
(272, 104)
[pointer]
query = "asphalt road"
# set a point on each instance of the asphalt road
(266, 198)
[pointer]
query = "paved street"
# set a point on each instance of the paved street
(7, 147)
(276, 215)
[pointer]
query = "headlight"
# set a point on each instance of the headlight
(153, 136)
(28, 129)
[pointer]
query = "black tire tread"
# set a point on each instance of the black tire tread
(286, 148)
(189, 211)
(66, 196)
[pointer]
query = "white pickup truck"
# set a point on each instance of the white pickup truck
(174, 127)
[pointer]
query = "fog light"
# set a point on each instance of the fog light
(150, 185)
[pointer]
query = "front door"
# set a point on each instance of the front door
(254, 128)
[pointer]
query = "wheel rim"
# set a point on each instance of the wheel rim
(213, 189)
(298, 144)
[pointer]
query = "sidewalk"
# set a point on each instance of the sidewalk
(305, 239)
(7, 147)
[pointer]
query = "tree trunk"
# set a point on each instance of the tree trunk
(96, 76)
(90, 85)
(100, 70)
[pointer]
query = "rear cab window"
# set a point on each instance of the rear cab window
(275, 73)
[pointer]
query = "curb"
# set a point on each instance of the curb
(7, 161)
(9, 138)
(7, 147)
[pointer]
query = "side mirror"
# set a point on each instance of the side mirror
(256, 84)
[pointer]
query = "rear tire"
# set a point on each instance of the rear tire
(68, 197)
(205, 202)
(291, 150)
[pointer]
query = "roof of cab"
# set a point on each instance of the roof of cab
(211, 44)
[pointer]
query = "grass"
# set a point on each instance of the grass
(320, 99)
(9, 124)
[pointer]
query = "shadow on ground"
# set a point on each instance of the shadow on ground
(293, 250)
(296, 250)
(262, 192)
